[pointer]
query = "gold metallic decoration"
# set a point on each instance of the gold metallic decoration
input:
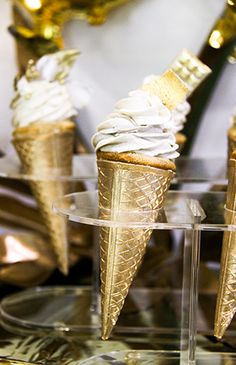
(25, 259)
(31, 72)
(225, 29)
(190, 69)
(45, 18)
(65, 60)
(46, 153)
(226, 298)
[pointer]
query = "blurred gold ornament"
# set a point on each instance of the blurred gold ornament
(25, 259)
(225, 29)
(45, 18)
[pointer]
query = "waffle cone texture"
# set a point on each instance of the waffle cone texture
(226, 297)
(45, 151)
(126, 184)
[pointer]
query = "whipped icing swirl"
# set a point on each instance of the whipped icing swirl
(179, 116)
(45, 93)
(140, 124)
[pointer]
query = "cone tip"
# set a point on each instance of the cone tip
(106, 331)
(64, 268)
(219, 332)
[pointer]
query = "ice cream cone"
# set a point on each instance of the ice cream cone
(180, 140)
(231, 140)
(133, 176)
(226, 299)
(127, 183)
(45, 151)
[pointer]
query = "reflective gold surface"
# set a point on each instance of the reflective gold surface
(43, 150)
(226, 300)
(225, 29)
(25, 259)
(46, 18)
(124, 188)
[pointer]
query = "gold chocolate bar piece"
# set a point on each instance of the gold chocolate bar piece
(190, 69)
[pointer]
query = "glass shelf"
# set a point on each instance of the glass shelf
(84, 168)
(70, 310)
(180, 212)
(156, 357)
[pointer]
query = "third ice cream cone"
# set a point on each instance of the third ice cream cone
(226, 300)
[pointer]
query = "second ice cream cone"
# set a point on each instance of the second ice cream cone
(45, 102)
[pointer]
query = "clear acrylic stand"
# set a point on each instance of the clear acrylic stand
(190, 212)
(68, 318)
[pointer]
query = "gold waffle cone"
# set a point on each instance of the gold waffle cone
(46, 150)
(226, 298)
(231, 141)
(123, 188)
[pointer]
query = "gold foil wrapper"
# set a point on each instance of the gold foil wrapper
(226, 299)
(190, 70)
(127, 193)
(46, 154)
(169, 88)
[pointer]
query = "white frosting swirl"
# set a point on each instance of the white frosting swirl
(48, 98)
(179, 116)
(140, 124)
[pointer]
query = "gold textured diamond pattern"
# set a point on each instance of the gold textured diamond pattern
(226, 296)
(48, 155)
(127, 193)
(226, 304)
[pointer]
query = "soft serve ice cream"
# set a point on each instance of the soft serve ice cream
(179, 116)
(140, 124)
(45, 94)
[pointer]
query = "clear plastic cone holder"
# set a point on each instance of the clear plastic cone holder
(33, 310)
(189, 213)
